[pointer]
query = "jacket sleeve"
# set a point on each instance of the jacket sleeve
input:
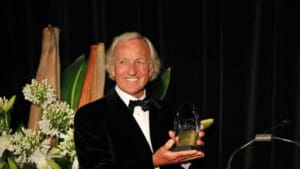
(94, 147)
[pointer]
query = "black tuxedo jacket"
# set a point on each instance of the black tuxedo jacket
(108, 137)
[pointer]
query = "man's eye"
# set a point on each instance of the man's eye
(140, 61)
(122, 62)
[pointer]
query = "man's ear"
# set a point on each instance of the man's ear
(151, 72)
(112, 70)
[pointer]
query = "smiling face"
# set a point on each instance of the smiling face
(131, 66)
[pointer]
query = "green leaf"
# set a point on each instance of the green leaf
(19, 129)
(2, 164)
(53, 164)
(10, 103)
(72, 81)
(207, 122)
(54, 153)
(160, 85)
(7, 119)
(11, 163)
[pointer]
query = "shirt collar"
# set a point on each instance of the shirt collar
(125, 97)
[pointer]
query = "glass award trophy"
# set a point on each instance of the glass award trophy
(187, 128)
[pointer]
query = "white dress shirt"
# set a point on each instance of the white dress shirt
(142, 118)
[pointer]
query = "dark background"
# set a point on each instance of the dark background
(237, 61)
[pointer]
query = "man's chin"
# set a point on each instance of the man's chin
(135, 92)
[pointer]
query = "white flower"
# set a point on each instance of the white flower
(46, 127)
(57, 118)
(67, 145)
(5, 143)
(40, 93)
(75, 164)
(26, 143)
(3, 103)
(39, 158)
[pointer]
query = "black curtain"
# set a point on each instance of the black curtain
(237, 61)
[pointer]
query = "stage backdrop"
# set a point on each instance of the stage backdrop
(237, 61)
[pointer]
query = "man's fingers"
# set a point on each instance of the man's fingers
(169, 144)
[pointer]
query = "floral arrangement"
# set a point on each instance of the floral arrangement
(50, 147)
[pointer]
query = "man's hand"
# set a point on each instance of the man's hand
(164, 156)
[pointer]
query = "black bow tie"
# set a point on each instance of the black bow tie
(145, 104)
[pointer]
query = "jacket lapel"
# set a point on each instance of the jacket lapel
(125, 120)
